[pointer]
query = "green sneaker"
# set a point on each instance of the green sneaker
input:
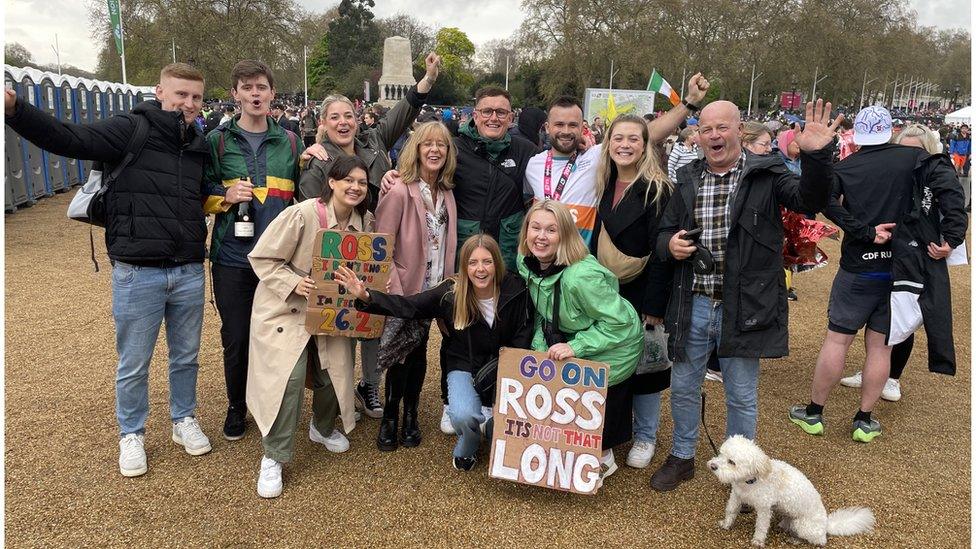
(811, 424)
(866, 431)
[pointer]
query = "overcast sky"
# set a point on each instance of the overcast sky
(34, 23)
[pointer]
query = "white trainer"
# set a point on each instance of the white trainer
(852, 381)
(269, 481)
(640, 454)
(608, 466)
(336, 442)
(446, 426)
(892, 390)
(132, 455)
(712, 375)
(188, 434)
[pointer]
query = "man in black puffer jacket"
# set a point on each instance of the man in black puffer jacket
(155, 235)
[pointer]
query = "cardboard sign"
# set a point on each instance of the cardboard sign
(548, 421)
(330, 309)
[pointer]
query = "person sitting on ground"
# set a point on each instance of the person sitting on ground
(484, 308)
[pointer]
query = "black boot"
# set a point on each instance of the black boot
(410, 437)
(386, 440)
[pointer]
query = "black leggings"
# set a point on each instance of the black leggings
(900, 354)
(404, 381)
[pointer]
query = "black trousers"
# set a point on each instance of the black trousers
(404, 381)
(234, 290)
(900, 354)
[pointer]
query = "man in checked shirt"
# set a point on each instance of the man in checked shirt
(739, 306)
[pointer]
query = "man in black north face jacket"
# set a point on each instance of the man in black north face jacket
(155, 235)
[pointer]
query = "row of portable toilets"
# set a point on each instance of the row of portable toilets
(33, 173)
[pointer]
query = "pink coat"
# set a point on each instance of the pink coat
(401, 212)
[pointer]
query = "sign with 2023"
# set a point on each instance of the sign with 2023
(330, 308)
(549, 414)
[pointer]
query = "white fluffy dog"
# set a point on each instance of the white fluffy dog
(772, 485)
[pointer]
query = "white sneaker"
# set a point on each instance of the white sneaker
(640, 454)
(852, 381)
(712, 375)
(446, 426)
(132, 456)
(269, 481)
(336, 442)
(608, 466)
(188, 433)
(892, 390)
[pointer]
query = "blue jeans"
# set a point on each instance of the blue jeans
(464, 409)
(647, 416)
(142, 297)
(740, 377)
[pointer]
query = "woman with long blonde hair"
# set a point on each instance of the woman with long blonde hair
(484, 308)
(634, 190)
(580, 312)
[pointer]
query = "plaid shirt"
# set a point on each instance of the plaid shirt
(712, 214)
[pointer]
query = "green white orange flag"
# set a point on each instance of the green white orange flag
(658, 84)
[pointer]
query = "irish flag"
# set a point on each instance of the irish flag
(658, 84)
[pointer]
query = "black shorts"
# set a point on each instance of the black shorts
(857, 300)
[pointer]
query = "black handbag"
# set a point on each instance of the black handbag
(483, 379)
(550, 330)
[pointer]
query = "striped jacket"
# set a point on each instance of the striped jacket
(680, 155)
(273, 170)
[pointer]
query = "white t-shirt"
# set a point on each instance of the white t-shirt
(487, 307)
(579, 193)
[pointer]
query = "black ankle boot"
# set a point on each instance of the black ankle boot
(386, 440)
(410, 436)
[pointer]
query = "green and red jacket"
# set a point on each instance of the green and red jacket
(273, 169)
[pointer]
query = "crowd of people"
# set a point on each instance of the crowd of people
(534, 230)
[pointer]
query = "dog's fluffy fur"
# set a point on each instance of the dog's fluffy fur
(772, 485)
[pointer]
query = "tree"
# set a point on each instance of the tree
(455, 81)
(320, 79)
(17, 55)
(354, 38)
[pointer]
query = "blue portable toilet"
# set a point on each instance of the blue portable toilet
(51, 104)
(69, 113)
(36, 158)
(16, 174)
(83, 114)
(130, 99)
(97, 102)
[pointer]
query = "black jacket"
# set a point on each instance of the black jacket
(513, 325)
(877, 185)
(633, 227)
(287, 124)
(155, 209)
(754, 308)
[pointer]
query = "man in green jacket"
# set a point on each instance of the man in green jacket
(254, 162)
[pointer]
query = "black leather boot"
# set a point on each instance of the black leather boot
(386, 440)
(410, 437)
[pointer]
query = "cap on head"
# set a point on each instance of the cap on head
(872, 126)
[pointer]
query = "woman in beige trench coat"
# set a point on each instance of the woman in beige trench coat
(279, 345)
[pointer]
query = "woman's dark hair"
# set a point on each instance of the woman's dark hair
(343, 165)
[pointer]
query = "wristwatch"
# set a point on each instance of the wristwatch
(690, 106)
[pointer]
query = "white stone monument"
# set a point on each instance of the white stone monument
(397, 71)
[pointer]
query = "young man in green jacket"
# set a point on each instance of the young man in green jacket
(254, 162)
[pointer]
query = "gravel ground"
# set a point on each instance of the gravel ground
(63, 487)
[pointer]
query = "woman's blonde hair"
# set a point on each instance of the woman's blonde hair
(929, 142)
(409, 161)
(571, 247)
(752, 131)
(465, 303)
(648, 167)
(320, 134)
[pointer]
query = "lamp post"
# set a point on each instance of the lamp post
(793, 93)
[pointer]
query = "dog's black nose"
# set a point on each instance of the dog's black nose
(713, 467)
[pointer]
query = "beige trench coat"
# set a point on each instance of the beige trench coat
(280, 259)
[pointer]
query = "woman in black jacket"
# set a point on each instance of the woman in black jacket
(484, 309)
(633, 192)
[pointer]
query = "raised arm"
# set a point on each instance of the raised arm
(660, 128)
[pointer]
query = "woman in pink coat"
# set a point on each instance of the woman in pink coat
(422, 216)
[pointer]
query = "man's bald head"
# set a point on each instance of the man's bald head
(718, 129)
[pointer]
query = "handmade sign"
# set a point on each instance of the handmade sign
(548, 421)
(330, 308)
